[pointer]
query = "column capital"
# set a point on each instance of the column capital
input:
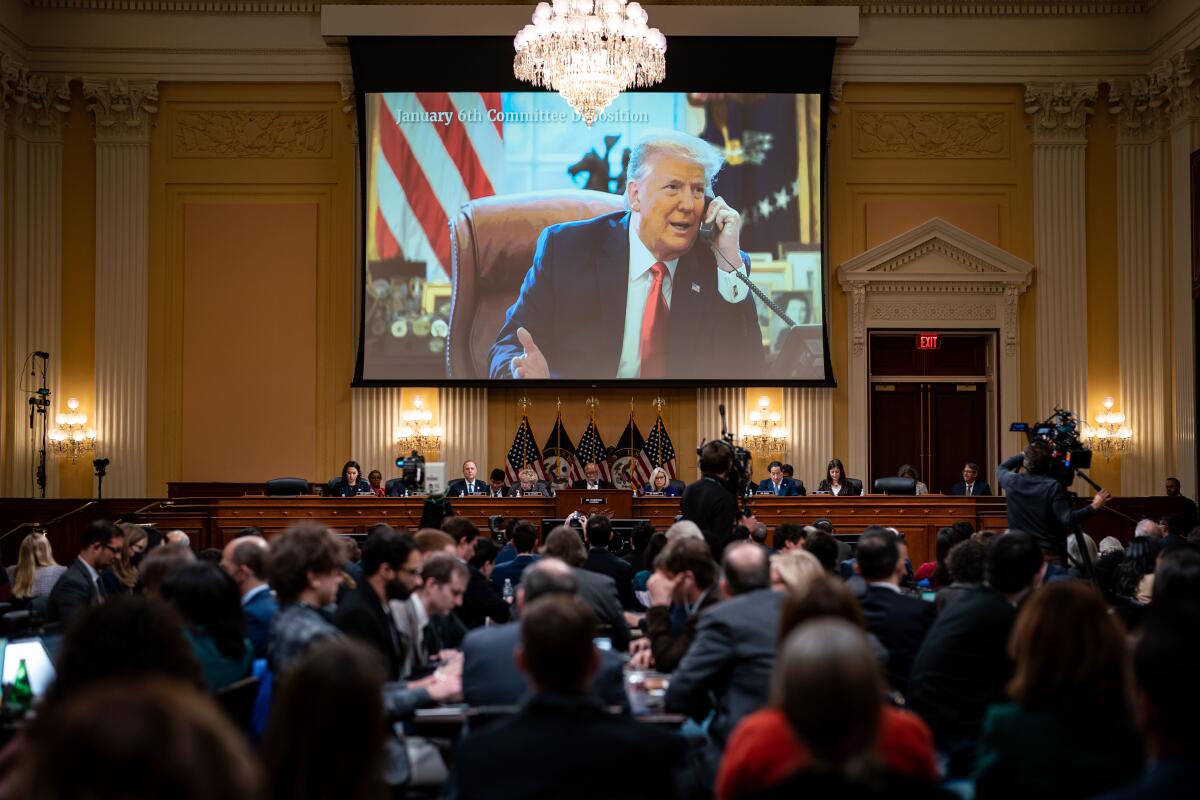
(1177, 78)
(1059, 111)
(38, 103)
(124, 110)
(1137, 108)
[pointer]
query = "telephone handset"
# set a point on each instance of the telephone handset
(708, 230)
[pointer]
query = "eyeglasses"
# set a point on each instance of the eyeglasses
(116, 551)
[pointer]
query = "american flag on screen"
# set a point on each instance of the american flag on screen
(423, 171)
(523, 453)
(591, 448)
(633, 446)
(659, 448)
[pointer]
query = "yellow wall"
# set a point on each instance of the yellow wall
(252, 283)
(886, 180)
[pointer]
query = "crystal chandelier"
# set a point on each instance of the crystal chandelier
(70, 437)
(1111, 436)
(764, 433)
(416, 433)
(590, 51)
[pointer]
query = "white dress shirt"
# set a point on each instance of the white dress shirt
(640, 281)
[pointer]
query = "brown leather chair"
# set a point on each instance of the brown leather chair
(492, 242)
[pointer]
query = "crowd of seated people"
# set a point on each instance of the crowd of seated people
(793, 666)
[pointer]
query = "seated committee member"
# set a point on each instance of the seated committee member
(350, 484)
(528, 485)
(592, 479)
(626, 266)
(780, 485)
(496, 487)
(375, 479)
(660, 483)
(909, 471)
(835, 481)
(971, 486)
(468, 484)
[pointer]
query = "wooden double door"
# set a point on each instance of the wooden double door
(930, 409)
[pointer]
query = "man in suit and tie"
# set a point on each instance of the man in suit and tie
(496, 487)
(602, 560)
(670, 296)
(971, 486)
(443, 581)
(490, 676)
(780, 484)
(245, 560)
(592, 479)
(899, 621)
(80, 585)
(468, 484)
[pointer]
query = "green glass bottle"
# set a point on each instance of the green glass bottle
(22, 692)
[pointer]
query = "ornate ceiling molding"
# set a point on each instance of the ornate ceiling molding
(124, 111)
(1059, 111)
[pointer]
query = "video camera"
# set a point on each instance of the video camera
(739, 476)
(1060, 432)
(413, 470)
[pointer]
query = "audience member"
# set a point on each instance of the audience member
(963, 665)
(1111, 544)
(249, 530)
(937, 572)
(1078, 567)
(792, 570)
(177, 537)
(524, 539)
(161, 562)
(825, 548)
(639, 537)
(322, 744)
(123, 575)
(1177, 585)
(141, 740)
(245, 560)
(423, 616)
(465, 535)
(508, 551)
(1134, 579)
(684, 529)
(577, 743)
(490, 676)
(1172, 528)
(848, 743)
(36, 571)
(965, 562)
(305, 571)
(655, 545)
(208, 601)
(1069, 730)
(598, 591)
(481, 602)
(685, 577)
(788, 536)
(351, 563)
(210, 555)
(899, 621)
(80, 586)
(602, 560)
(432, 540)
(1148, 527)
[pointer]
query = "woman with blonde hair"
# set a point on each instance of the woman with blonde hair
(794, 570)
(660, 483)
(36, 571)
(124, 574)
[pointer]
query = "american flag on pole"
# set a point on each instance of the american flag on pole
(591, 448)
(559, 455)
(659, 448)
(425, 162)
(631, 449)
(523, 453)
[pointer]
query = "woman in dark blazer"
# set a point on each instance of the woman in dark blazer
(660, 483)
(351, 482)
(836, 482)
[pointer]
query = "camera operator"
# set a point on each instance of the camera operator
(711, 502)
(1037, 500)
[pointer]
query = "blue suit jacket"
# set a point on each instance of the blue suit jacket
(573, 303)
(980, 489)
(511, 570)
(788, 487)
(259, 612)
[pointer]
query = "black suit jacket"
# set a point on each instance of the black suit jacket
(605, 562)
(339, 488)
(1038, 505)
(490, 676)
(607, 485)
(458, 487)
(360, 615)
(481, 602)
(849, 489)
(980, 489)
(73, 592)
(567, 746)
(709, 337)
(900, 623)
(962, 666)
(600, 592)
(711, 506)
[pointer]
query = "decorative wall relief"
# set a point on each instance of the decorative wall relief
(251, 134)
(931, 134)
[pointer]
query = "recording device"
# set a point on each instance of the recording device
(101, 467)
(1060, 432)
(738, 477)
(412, 468)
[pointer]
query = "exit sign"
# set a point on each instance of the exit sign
(928, 341)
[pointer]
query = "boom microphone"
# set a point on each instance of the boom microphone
(40, 354)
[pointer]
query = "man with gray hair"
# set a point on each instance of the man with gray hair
(1148, 527)
(683, 312)
(684, 529)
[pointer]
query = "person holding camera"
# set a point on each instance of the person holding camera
(711, 502)
(1038, 502)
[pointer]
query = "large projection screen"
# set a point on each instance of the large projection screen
(489, 208)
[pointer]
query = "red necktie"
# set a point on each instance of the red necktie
(653, 339)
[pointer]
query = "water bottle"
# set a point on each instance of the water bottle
(508, 591)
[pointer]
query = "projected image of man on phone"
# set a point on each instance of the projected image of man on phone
(640, 293)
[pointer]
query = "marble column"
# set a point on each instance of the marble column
(35, 299)
(464, 420)
(1058, 115)
(1142, 283)
(123, 112)
(808, 415)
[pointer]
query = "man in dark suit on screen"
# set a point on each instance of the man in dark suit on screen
(634, 294)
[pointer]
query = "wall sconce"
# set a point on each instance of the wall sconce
(70, 437)
(764, 432)
(416, 433)
(1111, 436)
